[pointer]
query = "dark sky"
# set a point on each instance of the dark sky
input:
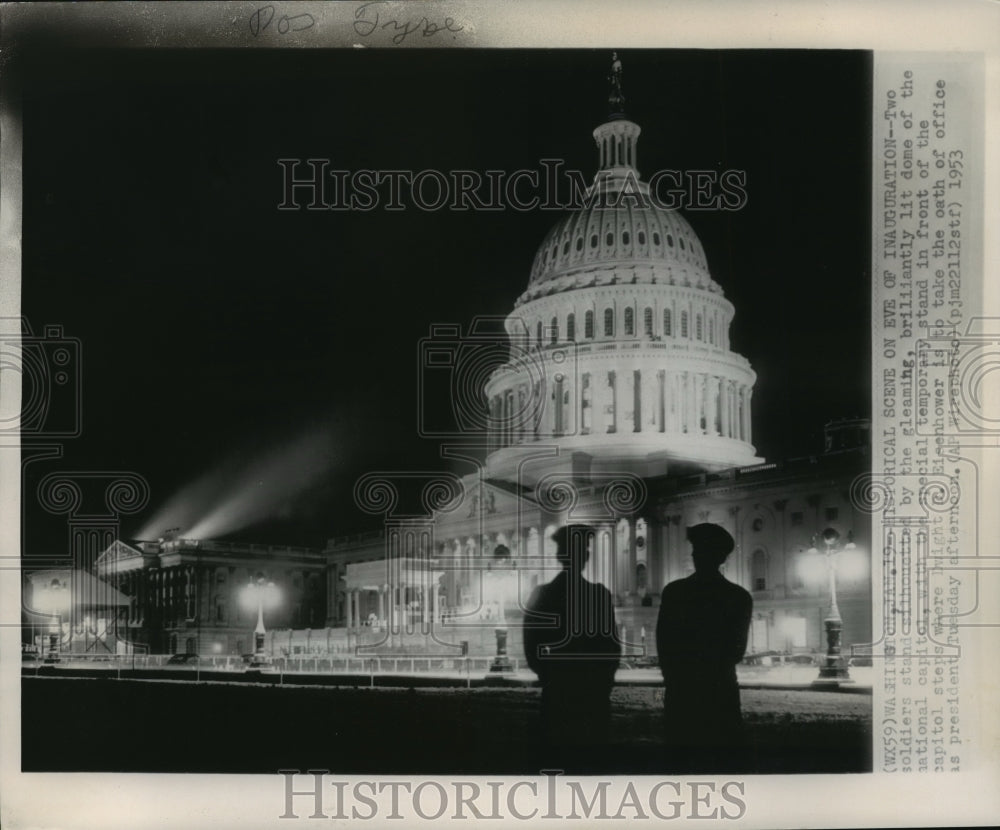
(215, 328)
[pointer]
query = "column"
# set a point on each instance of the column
(672, 396)
(741, 407)
(712, 395)
(746, 417)
(613, 413)
(692, 401)
(650, 402)
(347, 610)
(724, 407)
(636, 398)
(661, 395)
(630, 585)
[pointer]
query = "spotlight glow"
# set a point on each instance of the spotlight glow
(240, 493)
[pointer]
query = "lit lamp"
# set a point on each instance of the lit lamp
(498, 581)
(54, 599)
(838, 557)
(260, 592)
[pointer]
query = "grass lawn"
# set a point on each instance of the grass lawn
(143, 726)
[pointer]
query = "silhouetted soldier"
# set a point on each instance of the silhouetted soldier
(701, 634)
(571, 644)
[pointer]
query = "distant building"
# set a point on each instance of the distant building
(185, 596)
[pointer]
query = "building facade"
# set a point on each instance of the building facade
(190, 596)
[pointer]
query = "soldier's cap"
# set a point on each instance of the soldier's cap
(568, 534)
(711, 537)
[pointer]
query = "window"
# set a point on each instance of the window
(579, 243)
(656, 238)
(585, 405)
(681, 240)
(670, 241)
(758, 524)
(647, 322)
(642, 238)
(666, 322)
(684, 324)
(697, 327)
(640, 578)
(797, 518)
(610, 239)
(593, 240)
(711, 331)
(625, 238)
(831, 514)
(571, 326)
(566, 247)
(538, 331)
(609, 322)
(629, 321)
(588, 325)
(554, 330)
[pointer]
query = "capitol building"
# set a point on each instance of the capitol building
(620, 403)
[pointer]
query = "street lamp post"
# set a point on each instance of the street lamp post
(55, 599)
(260, 592)
(833, 671)
(498, 581)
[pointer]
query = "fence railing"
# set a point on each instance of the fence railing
(306, 664)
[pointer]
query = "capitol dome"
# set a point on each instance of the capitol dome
(620, 357)
(654, 243)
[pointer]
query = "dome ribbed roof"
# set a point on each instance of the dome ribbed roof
(656, 244)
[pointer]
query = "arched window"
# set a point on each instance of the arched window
(588, 325)
(666, 322)
(554, 330)
(647, 322)
(697, 327)
(684, 324)
(629, 321)
(609, 322)
(758, 570)
(571, 326)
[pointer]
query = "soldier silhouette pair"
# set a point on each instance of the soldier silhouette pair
(571, 643)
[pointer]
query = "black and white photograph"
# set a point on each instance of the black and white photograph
(357, 336)
(418, 411)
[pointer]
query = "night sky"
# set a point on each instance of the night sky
(217, 331)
